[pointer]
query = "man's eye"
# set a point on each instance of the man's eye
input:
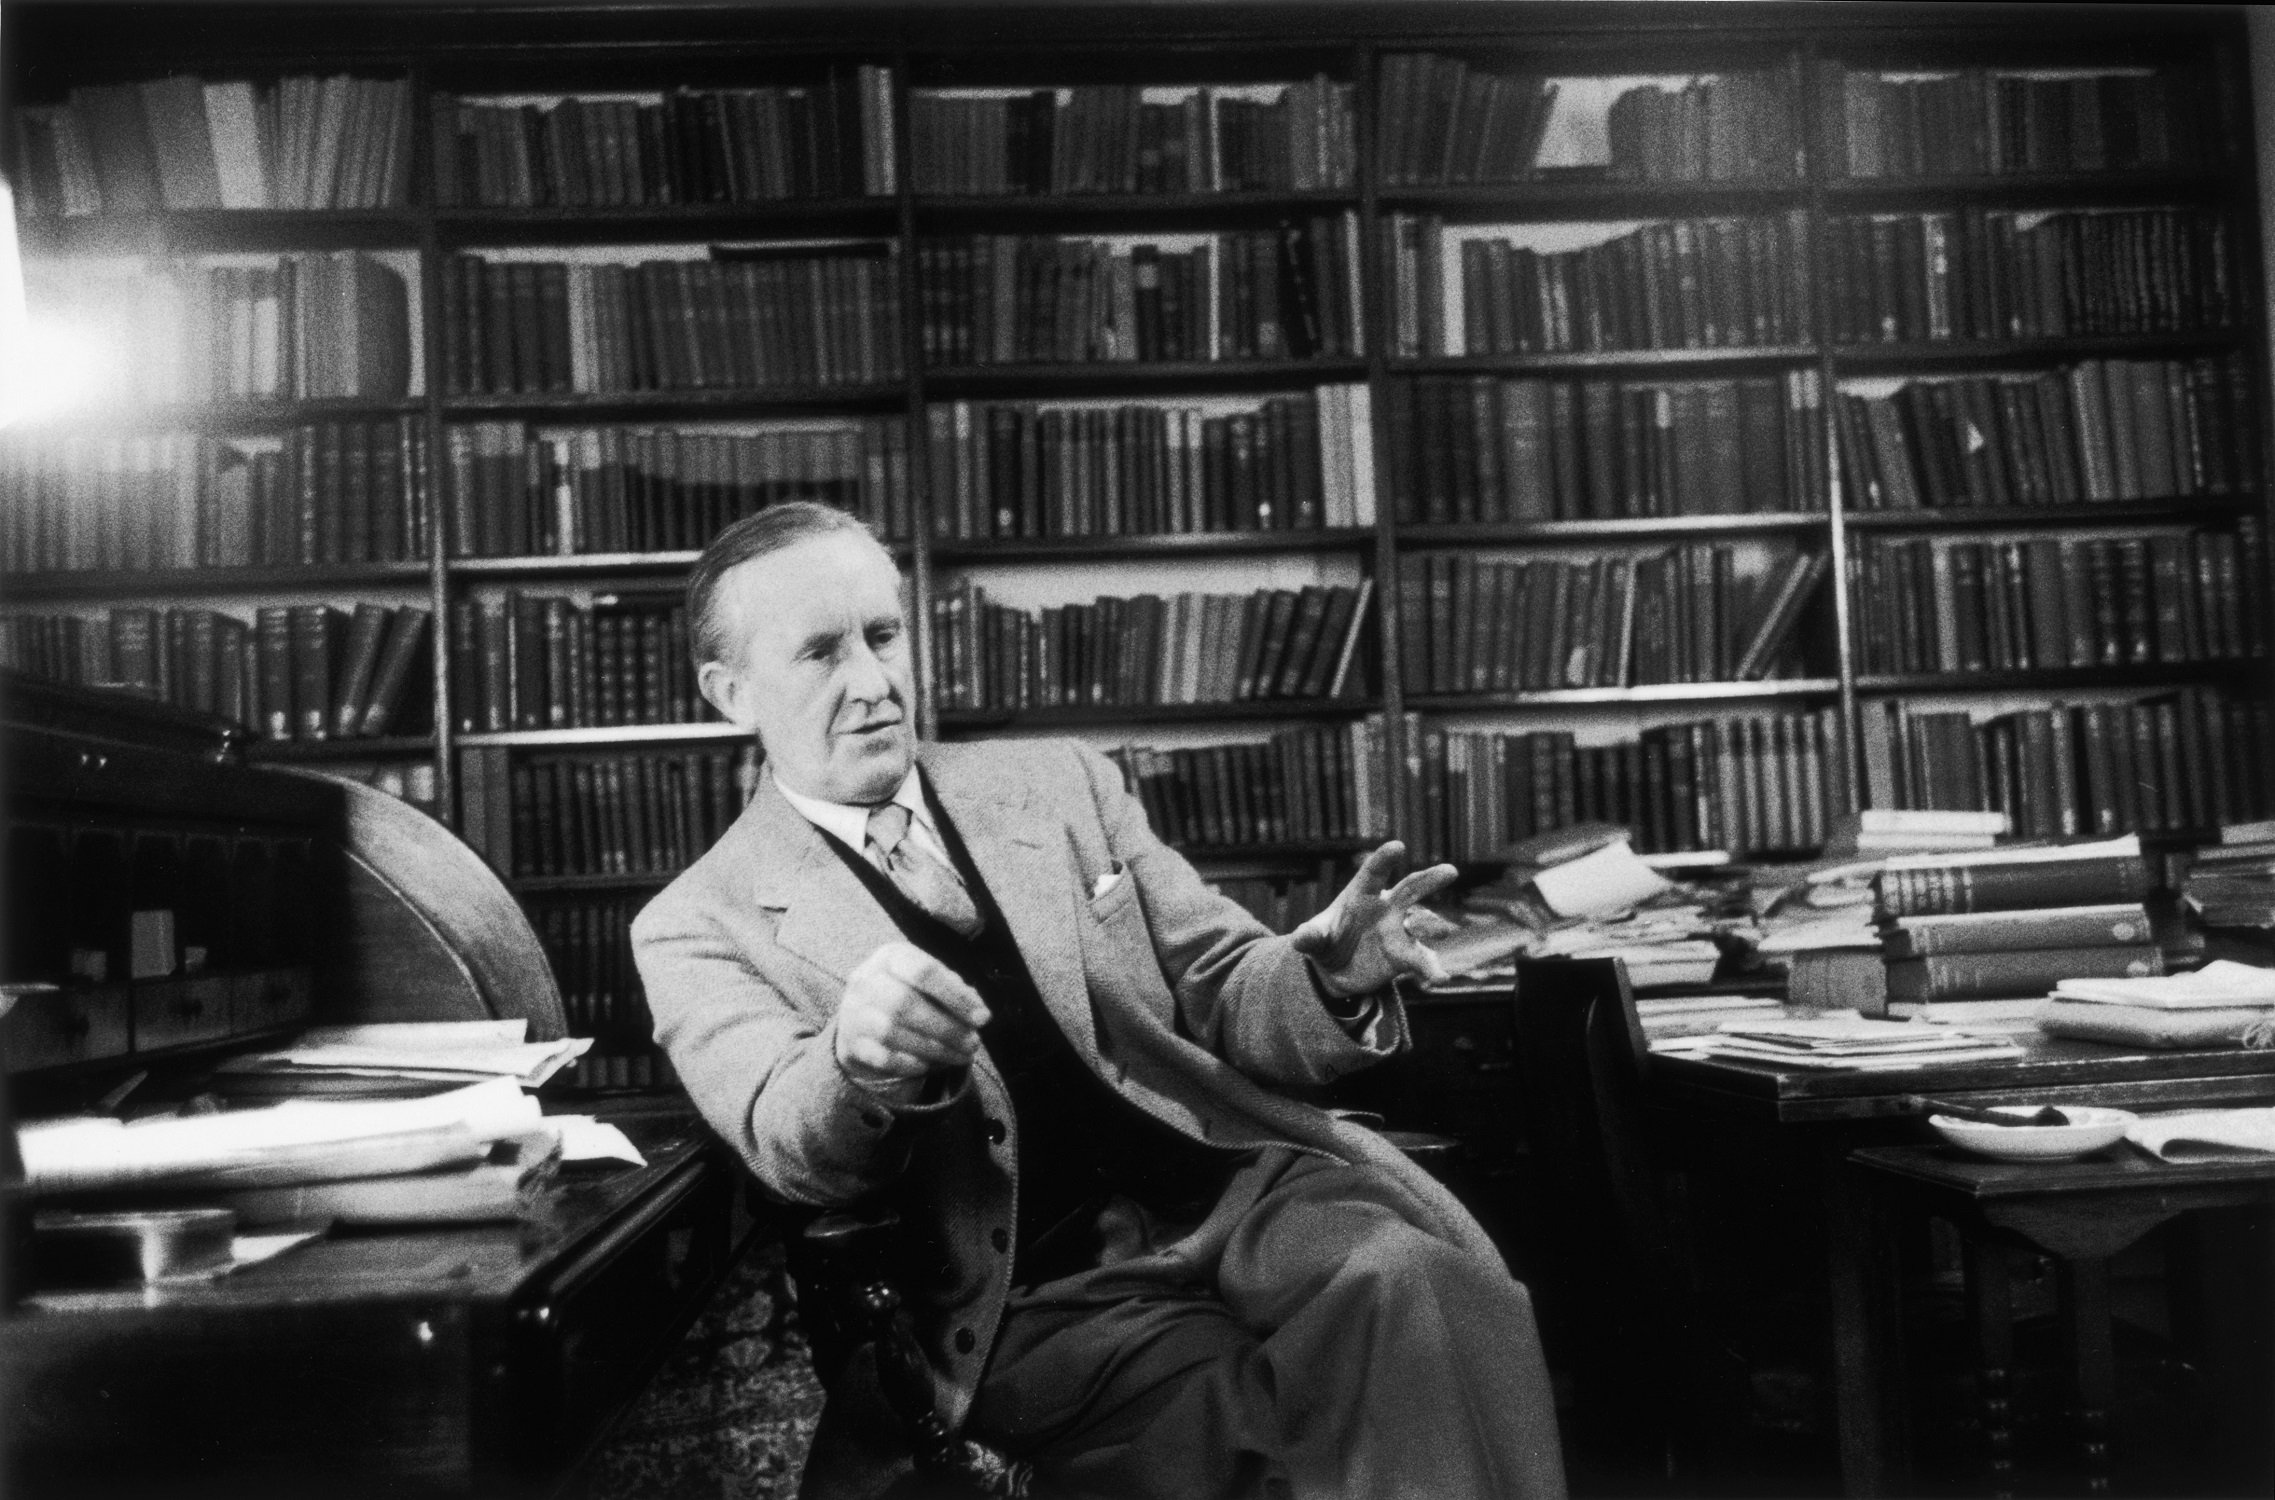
(884, 635)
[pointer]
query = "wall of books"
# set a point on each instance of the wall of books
(1447, 422)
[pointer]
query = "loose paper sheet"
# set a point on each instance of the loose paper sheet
(1594, 885)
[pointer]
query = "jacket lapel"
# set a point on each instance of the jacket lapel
(829, 918)
(1021, 854)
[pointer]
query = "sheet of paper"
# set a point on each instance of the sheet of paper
(2205, 1134)
(584, 1138)
(1594, 885)
(417, 1034)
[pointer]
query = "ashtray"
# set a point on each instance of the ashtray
(2090, 1129)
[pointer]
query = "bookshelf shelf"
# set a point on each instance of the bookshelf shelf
(634, 880)
(976, 553)
(1610, 528)
(1089, 715)
(289, 752)
(573, 566)
(614, 734)
(2132, 675)
(601, 406)
(1654, 693)
(155, 582)
(1902, 358)
(1546, 199)
(239, 416)
(1308, 849)
(1106, 212)
(2180, 508)
(222, 230)
(1643, 360)
(1138, 377)
(802, 218)
(2021, 190)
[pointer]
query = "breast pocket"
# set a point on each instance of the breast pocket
(1117, 953)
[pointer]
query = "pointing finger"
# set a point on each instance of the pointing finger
(1379, 869)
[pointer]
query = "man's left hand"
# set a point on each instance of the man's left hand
(1369, 935)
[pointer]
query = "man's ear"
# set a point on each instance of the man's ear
(723, 688)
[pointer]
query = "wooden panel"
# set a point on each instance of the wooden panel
(66, 1026)
(278, 997)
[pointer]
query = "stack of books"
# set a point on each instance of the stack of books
(1838, 1043)
(2012, 923)
(2232, 883)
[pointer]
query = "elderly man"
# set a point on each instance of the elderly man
(969, 981)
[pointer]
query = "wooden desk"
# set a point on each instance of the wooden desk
(484, 1359)
(1836, 1113)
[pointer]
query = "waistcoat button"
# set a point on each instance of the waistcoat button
(964, 1341)
(995, 1132)
(1000, 1240)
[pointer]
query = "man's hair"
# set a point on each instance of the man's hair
(771, 530)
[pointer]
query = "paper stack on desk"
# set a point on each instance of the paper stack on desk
(475, 1153)
(1849, 1043)
(2223, 1004)
(400, 1057)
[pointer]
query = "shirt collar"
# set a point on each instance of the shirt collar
(849, 822)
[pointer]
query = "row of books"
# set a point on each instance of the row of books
(181, 143)
(1976, 121)
(1477, 448)
(1670, 284)
(1148, 650)
(1289, 293)
(1301, 786)
(748, 318)
(2232, 883)
(1110, 138)
(330, 492)
(622, 812)
(588, 938)
(1468, 625)
(518, 491)
(829, 139)
(2002, 274)
(1720, 128)
(1940, 605)
(546, 661)
(1441, 122)
(2176, 762)
(1024, 469)
(297, 672)
(2101, 429)
(316, 325)
(1758, 784)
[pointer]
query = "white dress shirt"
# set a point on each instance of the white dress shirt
(849, 822)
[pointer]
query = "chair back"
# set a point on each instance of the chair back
(1614, 1313)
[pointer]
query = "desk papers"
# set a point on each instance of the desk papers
(297, 1141)
(2222, 984)
(2205, 1134)
(1595, 885)
(415, 1051)
(1848, 1043)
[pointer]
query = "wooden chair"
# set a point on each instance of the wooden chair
(1621, 1310)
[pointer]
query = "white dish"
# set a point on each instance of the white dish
(2090, 1129)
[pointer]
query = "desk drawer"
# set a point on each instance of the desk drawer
(177, 1012)
(68, 1026)
(263, 1001)
(576, 1350)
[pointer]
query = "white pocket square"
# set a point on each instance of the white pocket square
(1106, 882)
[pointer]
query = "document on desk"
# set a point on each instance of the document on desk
(298, 1141)
(428, 1051)
(2205, 1134)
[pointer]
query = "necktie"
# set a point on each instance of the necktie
(921, 876)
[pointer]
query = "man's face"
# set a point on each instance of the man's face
(818, 665)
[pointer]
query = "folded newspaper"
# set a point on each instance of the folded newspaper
(2205, 1134)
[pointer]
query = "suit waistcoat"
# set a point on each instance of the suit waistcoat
(1079, 1140)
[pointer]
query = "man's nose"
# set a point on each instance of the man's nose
(865, 676)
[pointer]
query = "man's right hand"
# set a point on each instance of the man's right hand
(905, 1014)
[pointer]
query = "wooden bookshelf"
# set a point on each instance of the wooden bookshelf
(646, 51)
